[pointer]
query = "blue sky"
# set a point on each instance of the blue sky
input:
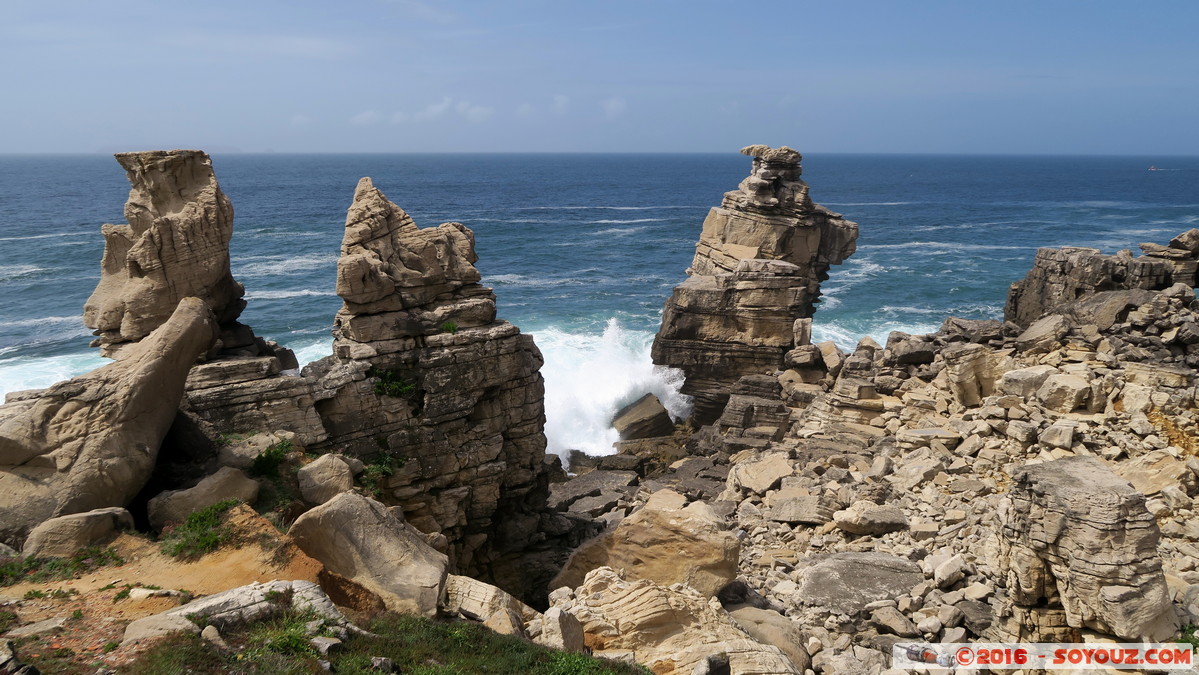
(1054, 77)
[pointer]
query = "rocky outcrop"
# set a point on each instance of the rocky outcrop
(758, 266)
(175, 245)
(667, 629)
(668, 541)
(91, 442)
(61, 537)
(427, 380)
(363, 541)
(1077, 535)
(174, 506)
(1063, 276)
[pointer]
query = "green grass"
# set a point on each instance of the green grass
(267, 463)
(375, 474)
(204, 531)
(17, 570)
(1188, 635)
(450, 327)
(391, 383)
(7, 620)
(419, 646)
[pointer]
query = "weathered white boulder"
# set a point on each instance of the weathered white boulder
(362, 540)
(174, 506)
(324, 478)
(61, 537)
(864, 517)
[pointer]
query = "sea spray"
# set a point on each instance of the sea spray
(589, 377)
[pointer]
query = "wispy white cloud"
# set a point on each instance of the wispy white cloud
(560, 104)
(366, 118)
(614, 107)
(246, 44)
(466, 110)
(426, 11)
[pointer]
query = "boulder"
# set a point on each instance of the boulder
(480, 601)
(644, 418)
(174, 506)
(1073, 530)
(864, 517)
(91, 442)
(670, 630)
(844, 583)
(665, 542)
(771, 628)
(61, 537)
(324, 478)
(362, 540)
(759, 473)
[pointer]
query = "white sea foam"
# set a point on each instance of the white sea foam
(310, 351)
(280, 265)
(8, 272)
(47, 236)
(280, 295)
(589, 377)
(38, 373)
(72, 320)
(530, 282)
(619, 231)
(847, 337)
(617, 221)
(941, 247)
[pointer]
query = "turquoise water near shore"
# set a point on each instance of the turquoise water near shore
(582, 250)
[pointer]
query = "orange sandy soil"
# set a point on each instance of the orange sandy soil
(260, 554)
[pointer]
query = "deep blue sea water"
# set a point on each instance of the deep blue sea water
(582, 250)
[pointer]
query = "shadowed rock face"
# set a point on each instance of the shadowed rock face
(1062, 277)
(91, 441)
(758, 266)
(176, 245)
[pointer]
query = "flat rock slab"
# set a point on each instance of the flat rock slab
(591, 484)
(844, 583)
(644, 418)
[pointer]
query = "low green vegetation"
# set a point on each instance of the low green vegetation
(267, 463)
(419, 646)
(449, 327)
(1188, 635)
(375, 475)
(17, 570)
(7, 620)
(204, 531)
(391, 383)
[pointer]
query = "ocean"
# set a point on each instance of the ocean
(583, 250)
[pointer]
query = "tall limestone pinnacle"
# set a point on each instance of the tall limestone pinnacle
(175, 245)
(756, 276)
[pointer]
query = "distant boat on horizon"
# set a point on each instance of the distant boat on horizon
(1154, 168)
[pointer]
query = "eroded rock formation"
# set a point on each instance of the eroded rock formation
(1063, 276)
(1077, 536)
(175, 245)
(758, 266)
(427, 380)
(91, 441)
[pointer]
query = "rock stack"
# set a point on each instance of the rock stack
(758, 266)
(175, 245)
(427, 380)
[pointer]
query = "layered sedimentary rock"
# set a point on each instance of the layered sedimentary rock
(667, 629)
(175, 245)
(1062, 276)
(1075, 533)
(426, 380)
(91, 442)
(758, 266)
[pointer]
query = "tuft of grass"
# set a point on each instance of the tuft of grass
(375, 474)
(230, 439)
(7, 620)
(110, 646)
(267, 463)
(391, 383)
(450, 327)
(203, 532)
(17, 570)
(1188, 635)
